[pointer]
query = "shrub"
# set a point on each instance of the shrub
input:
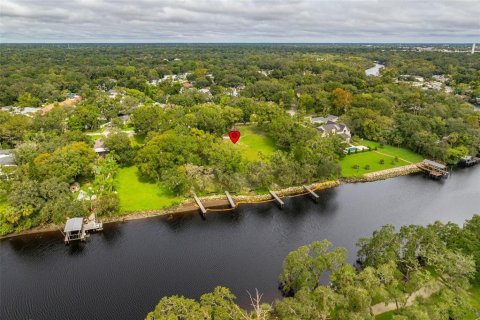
(356, 166)
(396, 159)
(382, 161)
(106, 205)
(367, 167)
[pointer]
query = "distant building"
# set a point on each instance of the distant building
(27, 111)
(99, 148)
(323, 120)
(6, 158)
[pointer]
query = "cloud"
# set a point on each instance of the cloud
(239, 21)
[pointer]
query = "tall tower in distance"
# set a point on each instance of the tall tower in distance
(473, 48)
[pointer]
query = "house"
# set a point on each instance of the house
(323, 120)
(187, 84)
(335, 128)
(26, 111)
(99, 148)
(6, 158)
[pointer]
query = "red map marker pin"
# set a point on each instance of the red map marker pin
(234, 135)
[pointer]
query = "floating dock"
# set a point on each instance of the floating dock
(312, 194)
(433, 169)
(277, 198)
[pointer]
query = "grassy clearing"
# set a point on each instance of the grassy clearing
(373, 158)
(138, 195)
(368, 158)
(402, 153)
(253, 142)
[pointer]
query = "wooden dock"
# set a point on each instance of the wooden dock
(469, 161)
(230, 200)
(312, 194)
(78, 228)
(433, 169)
(200, 205)
(277, 198)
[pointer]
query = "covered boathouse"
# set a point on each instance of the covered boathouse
(74, 230)
(78, 228)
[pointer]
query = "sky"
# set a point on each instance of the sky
(165, 21)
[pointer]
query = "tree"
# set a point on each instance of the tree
(341, 100)
(67, 163)
(146, 119)
(120, 147)
(220, 304)
(27, 100)
(304, 267)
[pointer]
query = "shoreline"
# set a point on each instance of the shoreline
(219, 202)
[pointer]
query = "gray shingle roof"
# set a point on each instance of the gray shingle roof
(74, 224)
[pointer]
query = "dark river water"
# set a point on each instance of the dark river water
(122, 272)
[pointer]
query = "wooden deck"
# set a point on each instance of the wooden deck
(433, 169)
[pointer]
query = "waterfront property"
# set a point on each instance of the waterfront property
(243, 250)
(138, 194)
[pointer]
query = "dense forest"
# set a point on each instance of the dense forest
(164, 110)
(436, 264)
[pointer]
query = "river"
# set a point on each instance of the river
(375, 70)
(122, 272)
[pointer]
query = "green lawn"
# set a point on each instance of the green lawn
(137, 195)
(373, 158)
(393, 151)
(253, 141)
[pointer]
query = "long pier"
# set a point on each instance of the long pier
(277, 198)
(200, 205)
(312, 194)
(230, 200)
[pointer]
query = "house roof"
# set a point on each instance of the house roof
(330, 127)
(329, 118)
(74, 224)
(344, 136)
(99, 144)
